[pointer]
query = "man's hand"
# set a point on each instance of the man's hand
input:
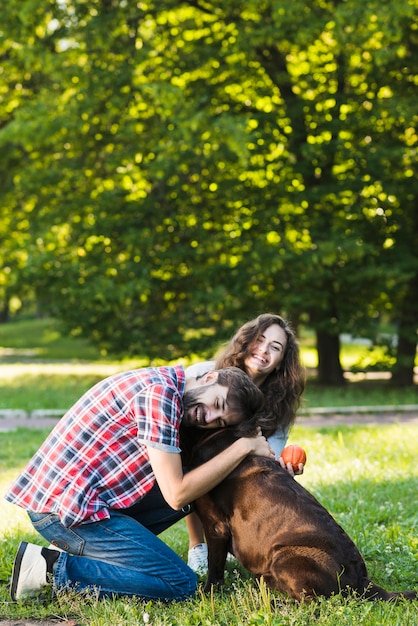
(259, 445)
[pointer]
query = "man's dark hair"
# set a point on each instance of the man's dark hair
(244, 398)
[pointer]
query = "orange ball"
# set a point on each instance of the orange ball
(294, 454)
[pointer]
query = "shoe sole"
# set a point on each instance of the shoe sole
(16, 569)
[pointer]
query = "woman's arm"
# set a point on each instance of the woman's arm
(278, 441)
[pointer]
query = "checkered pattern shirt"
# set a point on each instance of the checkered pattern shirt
(95, 459)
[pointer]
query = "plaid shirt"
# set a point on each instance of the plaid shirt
(95, 459)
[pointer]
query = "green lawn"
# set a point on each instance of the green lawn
(366, 476)
(42, 339)
(40, 368)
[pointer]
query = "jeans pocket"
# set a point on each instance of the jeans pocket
(49, 526)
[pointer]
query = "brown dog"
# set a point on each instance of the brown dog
(278, 531)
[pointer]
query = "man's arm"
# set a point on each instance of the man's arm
(180, 489)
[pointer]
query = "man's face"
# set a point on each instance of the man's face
(206, 407)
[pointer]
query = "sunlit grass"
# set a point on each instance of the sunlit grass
(31, 386)
(42, 368)
(366, 476)
(52, 386)
(366, 392)
(42, 339)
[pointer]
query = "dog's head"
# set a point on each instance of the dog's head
(198, 445)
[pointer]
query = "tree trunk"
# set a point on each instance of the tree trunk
(403, 371)
(330, 371)
(5, 313)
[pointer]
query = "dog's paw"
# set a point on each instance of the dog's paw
(213, 584)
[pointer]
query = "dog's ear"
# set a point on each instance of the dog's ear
(247, 428)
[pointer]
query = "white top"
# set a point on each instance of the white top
(199, 369)
(277, 440)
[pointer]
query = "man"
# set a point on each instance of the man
(109, 478)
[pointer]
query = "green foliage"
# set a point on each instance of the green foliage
(173, 169)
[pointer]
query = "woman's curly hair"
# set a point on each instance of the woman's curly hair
(284, 386)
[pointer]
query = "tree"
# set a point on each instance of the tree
(185, 166)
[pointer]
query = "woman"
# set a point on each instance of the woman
(267, 350)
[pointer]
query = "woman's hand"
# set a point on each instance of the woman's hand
(289, 467)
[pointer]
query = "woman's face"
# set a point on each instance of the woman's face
(265, 353)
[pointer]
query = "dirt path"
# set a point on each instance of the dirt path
(364, 419)
(10, 420)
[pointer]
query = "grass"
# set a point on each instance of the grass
(37, 339)
(40, 368)
(58, 385)
(366, 476)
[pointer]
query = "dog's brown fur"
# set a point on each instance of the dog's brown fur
(279, 531)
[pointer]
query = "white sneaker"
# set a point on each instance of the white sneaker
(197, 559)
(31, 569)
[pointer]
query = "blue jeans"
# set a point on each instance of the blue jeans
(121, 555)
